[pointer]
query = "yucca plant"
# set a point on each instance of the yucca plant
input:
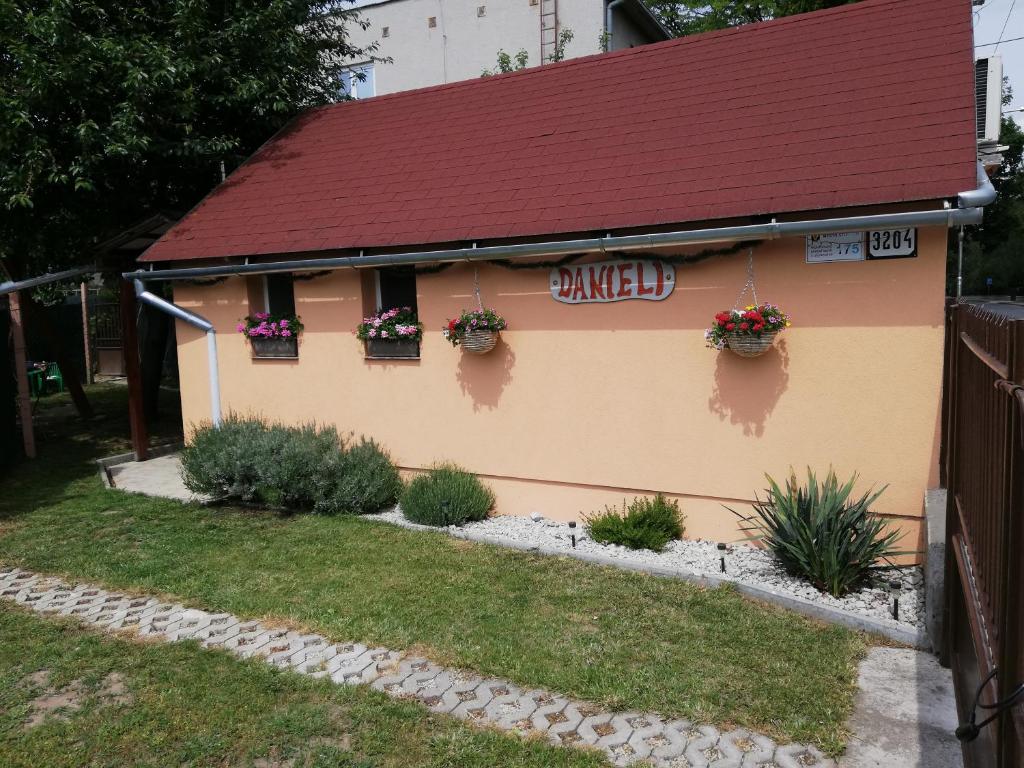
(819, 534)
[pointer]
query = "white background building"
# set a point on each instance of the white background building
(441, 41)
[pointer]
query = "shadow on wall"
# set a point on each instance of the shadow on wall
(746, 390)
(484, 377)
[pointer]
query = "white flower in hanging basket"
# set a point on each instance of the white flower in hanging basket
(748, 332)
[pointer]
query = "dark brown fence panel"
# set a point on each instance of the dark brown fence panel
(983, 456)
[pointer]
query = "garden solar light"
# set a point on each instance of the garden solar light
(572, 532)
(894, 587)
(722, 549)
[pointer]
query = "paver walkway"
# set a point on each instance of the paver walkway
(624, 737)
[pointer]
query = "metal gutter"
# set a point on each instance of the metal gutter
(980, 197)
(35, 282)
(202, 324)
(948, 217)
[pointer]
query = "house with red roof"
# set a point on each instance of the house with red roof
(614, 210)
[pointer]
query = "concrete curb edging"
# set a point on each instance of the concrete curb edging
(889, 629)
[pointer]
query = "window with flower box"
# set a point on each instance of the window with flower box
(389, 298)
(272, 327)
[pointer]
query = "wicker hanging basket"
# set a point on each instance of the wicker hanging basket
(748, 345)
(479, 342)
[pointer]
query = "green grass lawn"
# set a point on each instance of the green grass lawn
(70, 697)
(622, 639)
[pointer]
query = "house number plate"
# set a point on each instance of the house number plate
(892, 243)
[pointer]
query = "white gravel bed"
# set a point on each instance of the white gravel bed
(744, 563)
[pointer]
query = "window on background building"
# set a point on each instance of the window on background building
(357, 82)
(278, 294)
(396, 287)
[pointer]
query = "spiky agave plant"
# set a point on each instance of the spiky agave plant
(819, 534)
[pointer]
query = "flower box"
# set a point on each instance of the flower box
(274, 347)
(392, 334)
(387, 349)
(272, 335)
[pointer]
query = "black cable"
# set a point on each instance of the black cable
(969, 731)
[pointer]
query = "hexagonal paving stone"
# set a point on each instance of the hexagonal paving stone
(250, 639)
(219, 632)
(358, 669)
(549, 710)
(190, 623)
(563, 729)
(702, 749)
(510, 707)
(645, 727)
(752, 749)
(471, 693)
(392, 681)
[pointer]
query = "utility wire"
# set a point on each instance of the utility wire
(1007, 21)
(1011, 40)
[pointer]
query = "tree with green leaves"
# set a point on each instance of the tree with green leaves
(110, 111)
(688, 17)
(996, 248)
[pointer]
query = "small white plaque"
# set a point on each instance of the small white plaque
(835, 246)
(892, 243)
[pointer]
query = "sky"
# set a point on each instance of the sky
(989, 22)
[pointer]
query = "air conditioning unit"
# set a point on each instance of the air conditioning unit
(988, 96)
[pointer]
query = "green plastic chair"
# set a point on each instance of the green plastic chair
(53, 374)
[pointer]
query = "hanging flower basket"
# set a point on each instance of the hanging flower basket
(748, 332)
(272, 335)
(475, 330)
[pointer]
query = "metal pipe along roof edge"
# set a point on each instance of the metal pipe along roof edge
(949, 217)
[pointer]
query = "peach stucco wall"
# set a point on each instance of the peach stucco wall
(580, 406)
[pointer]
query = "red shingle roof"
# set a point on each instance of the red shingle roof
(862, 104)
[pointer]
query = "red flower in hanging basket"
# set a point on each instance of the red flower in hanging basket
(482, 319)
(750, 321)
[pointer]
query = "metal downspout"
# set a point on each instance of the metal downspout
(608, 22)
(198, 322)
(984, 194)
(980, 197)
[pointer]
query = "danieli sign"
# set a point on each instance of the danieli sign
(613, 281)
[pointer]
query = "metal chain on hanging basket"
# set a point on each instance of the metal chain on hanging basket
(478, 342)
(749, 285)
(744, 344)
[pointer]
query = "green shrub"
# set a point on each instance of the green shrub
(293, 464)
(446, 495)
(818, 534)
(366, 481)
(307, 467)
(226, 461)
(643, 524)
